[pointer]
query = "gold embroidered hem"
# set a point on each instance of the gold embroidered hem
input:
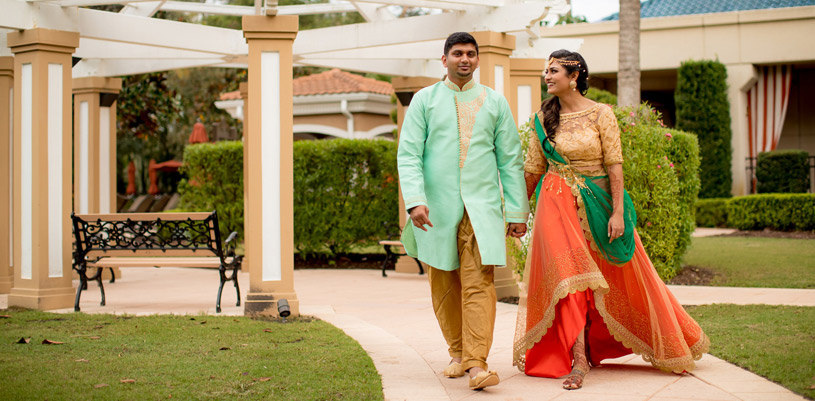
(639, 347)
(593, 281)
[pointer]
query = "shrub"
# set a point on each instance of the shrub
(711, 212)
(774, 211)
(703, 109)
(601, 96)
(661, 175)
(652, 181)
(345, 193)
(214, 182)
(683, 150)
(783, 171)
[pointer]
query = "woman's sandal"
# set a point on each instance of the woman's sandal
(574, 380)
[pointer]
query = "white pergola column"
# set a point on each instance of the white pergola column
(95, 144)
(494, 49)
(525, 75)
(6, 212)
(95, 147)
(42, 168)
(405, 88)
(269, 210)
(740, 78)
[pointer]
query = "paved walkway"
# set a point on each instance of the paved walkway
(393, 320)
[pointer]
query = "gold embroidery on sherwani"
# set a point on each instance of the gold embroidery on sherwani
(466, 112)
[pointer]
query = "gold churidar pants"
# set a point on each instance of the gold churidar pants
(464, 301)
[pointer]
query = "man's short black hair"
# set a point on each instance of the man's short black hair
(457, 38)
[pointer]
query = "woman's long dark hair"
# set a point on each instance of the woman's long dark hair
(551, 107)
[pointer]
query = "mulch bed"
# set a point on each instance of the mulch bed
(694, 275)
(772, 234)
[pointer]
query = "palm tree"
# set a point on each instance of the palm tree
(628, 76)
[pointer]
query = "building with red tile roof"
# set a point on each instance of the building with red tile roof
(333, 104)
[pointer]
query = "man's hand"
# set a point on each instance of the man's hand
(419, 217)
(516, 230)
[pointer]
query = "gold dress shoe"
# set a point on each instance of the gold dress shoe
(454, 369)
(484, 379)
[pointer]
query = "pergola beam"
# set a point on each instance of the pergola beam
(156, 32)
(218, 9)
(418, 29)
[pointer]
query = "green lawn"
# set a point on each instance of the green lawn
(179, 357)
(755, 262)
(777, 342)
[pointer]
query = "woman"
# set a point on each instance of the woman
(590, 291)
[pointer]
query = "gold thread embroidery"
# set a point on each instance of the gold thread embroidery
(469, 85)
(576, 260)
(639, 347)
(465, 114)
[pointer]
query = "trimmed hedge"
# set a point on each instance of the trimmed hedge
(711, 212)
(345, 194)
(775, 211)
(214, 182)
(601, 96)
(702, 108)
(661, 172)
(782, 171)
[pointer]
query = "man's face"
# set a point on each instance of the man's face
(461, 61)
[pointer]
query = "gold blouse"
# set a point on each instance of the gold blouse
(585, 138)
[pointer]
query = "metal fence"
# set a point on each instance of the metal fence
(751, 174)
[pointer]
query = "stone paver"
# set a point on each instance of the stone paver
(709, 232)
(393, 320)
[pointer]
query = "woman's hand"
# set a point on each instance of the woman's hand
(616, 226)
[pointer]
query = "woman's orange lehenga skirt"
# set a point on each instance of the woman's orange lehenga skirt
(568, 285)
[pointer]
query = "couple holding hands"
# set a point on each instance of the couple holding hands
(589, 290)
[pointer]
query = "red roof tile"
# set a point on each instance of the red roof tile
(333, 81)
(336, 81)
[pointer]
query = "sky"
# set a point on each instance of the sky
(595, 10)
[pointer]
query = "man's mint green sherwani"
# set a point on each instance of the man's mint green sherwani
(453, 144)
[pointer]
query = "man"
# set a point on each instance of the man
(457, 137)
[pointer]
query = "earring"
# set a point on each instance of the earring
(573, 85)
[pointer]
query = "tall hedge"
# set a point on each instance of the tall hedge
(702, 108)
(782, 171)
(661, 172)
(215, 182)
(345, 194)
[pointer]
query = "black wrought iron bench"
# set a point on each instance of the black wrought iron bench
(152, 240)
(391, 257)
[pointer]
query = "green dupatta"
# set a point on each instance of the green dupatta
(596, 202)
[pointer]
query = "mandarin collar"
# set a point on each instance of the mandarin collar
(450, 84)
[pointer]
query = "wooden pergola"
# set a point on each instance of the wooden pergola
(55, 52)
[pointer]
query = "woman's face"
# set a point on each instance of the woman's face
(557, 79)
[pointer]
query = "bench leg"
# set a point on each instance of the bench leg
(388, 254)
(220, 289)
(112, 276)
(101, 287)
(421, 269)
(237, 288)
(82, 284)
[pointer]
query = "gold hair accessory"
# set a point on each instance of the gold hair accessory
(564, 62)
